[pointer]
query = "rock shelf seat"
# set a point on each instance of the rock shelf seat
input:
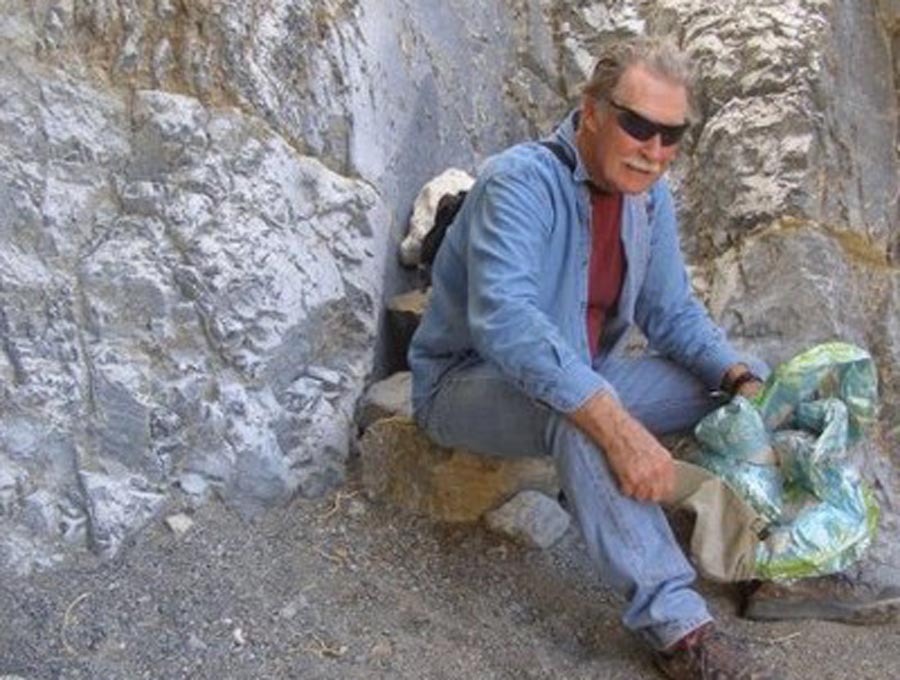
(401, 465)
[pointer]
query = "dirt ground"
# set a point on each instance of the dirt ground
(344, 588)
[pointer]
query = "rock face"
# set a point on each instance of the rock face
(201, 202)
(185, 300)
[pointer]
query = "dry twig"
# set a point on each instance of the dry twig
(340, 556)
(323, 649)
(67, 619)
(336, 505)
(778, 640)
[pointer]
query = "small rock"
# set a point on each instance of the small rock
(531, 518)
(180, 524)
(356, 508)
(195, 644)
(381, 650)
(192, 483)
(288, 611)
(413, 302)
(238, 635)
(386, 398)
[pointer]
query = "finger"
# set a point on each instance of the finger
(645, 492)
(653, 494)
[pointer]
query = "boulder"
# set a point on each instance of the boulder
(399, 464)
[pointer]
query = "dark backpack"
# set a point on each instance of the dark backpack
(450, 205)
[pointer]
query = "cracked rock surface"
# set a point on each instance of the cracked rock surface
(200, 205)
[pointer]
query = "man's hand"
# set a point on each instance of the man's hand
(750, 388)
(644, 468)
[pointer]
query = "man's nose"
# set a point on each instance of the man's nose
(653, 148)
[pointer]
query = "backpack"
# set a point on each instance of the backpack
(451, 204)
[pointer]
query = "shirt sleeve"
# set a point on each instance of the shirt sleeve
(674, 321)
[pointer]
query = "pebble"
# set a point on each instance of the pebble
(180, 524)
(288, 611)
(381, 650)
(195, 644)
(356, 508)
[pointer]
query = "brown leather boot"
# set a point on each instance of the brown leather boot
(708, 654)
(833, 598)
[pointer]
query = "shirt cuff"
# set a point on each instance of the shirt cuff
(577, 384)
(714, 364)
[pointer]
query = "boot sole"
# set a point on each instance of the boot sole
(875, 613)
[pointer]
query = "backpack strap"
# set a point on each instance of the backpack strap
(560, 152)
(450, 205)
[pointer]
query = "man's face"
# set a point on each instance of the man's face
(616, 160)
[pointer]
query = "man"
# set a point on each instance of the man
(557, 250)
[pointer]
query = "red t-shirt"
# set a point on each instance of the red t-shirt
(607, 266)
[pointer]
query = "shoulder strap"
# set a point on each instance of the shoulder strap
(560, 152)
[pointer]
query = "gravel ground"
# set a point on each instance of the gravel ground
(343, 588)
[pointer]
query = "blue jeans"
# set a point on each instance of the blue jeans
(629, 541)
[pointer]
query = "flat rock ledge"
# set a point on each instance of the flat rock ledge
(400, 465)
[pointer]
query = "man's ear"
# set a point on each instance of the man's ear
(590, 113)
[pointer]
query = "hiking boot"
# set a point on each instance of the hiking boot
(833, 598)
(708, 654)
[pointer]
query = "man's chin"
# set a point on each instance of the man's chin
(635, 181)
(637, 186)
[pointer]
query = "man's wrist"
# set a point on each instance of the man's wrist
(737, 377)
(742, 380)
(601, 418)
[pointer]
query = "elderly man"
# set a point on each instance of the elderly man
(558, 249)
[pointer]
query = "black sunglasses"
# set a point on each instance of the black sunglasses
(642, 129)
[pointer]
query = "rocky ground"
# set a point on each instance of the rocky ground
(344, 588)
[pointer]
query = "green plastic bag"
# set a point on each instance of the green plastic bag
(786, 454)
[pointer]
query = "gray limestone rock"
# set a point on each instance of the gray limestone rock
(179, 524)
(789, 112)
(200, 205)
(530, 518)
(173, 274)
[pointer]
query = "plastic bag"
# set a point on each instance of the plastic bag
(787, 454)
(736, 448)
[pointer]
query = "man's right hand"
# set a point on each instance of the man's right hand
(644, 468)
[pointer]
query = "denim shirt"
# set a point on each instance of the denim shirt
(510, 284)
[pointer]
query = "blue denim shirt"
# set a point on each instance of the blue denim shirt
(510, 283)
